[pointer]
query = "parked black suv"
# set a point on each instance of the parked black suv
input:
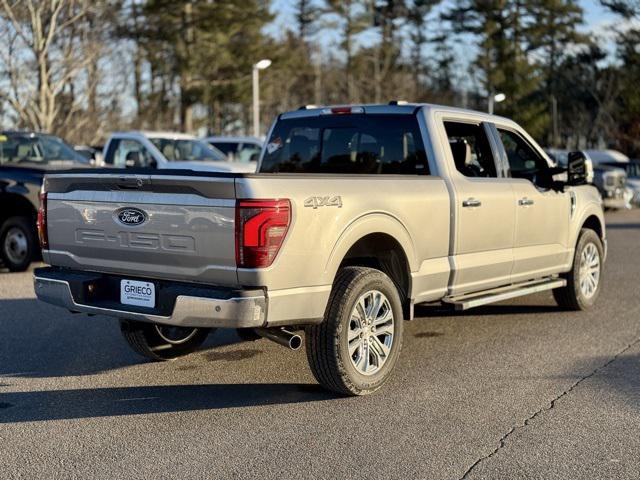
(24, 159)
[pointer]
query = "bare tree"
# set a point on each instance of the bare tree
(52, 49)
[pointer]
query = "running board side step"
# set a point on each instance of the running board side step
(471, 300)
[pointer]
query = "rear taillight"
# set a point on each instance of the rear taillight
(261, 226)
(42, 222)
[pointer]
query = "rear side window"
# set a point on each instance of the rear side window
(470, 149)
(361, 143)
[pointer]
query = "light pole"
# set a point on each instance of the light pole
(261, 65)
(495, 98)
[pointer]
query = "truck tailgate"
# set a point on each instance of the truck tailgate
(150, 226)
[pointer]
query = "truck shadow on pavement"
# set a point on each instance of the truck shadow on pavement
(610, 381)
(495, 309)
(16, 407)
(41, 341)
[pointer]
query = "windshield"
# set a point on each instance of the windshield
(187, 150)
(360, 143)
(26, 149)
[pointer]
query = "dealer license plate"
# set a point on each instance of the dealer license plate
(140, 294)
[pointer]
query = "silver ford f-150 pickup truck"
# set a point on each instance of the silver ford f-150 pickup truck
(355, 214)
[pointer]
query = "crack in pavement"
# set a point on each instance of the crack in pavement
(549, 406)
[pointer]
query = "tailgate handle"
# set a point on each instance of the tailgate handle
(130, 183)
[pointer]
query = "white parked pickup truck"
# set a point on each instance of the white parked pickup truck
(167, 150)
(356, 214)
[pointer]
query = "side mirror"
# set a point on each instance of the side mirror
(577, 169)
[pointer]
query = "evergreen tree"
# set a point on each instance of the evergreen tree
(352, 18)
(417, 14)
(499, 26)
(552, 28)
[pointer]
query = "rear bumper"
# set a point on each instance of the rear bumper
(184, 305)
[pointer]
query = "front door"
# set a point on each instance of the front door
(542, 214)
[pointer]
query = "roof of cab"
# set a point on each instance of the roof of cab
(395, 107)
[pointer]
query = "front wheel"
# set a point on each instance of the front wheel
(355, 348)
(162, 342)
(585, 278)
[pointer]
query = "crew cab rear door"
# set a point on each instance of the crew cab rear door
(483, 206)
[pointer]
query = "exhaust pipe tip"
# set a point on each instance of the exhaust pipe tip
(295, 342)
(281, 336)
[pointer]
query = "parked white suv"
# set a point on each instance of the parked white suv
(167, 150)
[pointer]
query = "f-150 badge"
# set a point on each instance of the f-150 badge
(327, 201)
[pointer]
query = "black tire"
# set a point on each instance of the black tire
(327, 343)
(572, 297)
(162, 342)
(18, 243)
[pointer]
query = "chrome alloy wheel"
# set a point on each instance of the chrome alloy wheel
(370, 335)
(175, 335)
(589, 270)
(16, 245)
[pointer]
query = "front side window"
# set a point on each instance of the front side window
(524, 161)
(249, 153)
(228, 148)
(181, 150)
(359, 143)
(130, 154)
(470, 149)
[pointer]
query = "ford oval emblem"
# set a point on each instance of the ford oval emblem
(131, 216)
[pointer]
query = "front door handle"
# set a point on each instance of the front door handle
(471, 202)
(525, 202)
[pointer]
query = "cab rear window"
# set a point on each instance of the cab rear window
(360, 143)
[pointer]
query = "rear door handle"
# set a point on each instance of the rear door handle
(525, 202)
(471, 202)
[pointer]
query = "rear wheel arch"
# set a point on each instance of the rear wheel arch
(385, 253)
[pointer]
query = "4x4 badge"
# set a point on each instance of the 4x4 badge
(327, 201)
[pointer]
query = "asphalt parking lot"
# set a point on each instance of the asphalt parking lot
(515, 390)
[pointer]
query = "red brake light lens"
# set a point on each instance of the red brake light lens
(261, 226)
(42, 222)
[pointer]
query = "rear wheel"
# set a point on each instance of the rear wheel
(18, 243)
(585, 278)
(355, 348)
(162, 342)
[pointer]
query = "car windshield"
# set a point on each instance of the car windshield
(40, 150)
(187, 150)
(359, 143)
